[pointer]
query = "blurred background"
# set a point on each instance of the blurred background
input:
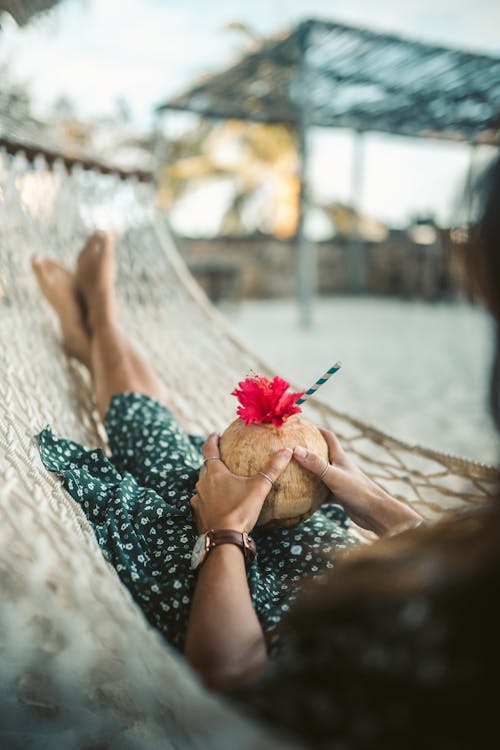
(311, 159)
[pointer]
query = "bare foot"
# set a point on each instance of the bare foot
(59, 288)
(95, 279)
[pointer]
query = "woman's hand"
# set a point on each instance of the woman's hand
(366, 503)
(225, 500)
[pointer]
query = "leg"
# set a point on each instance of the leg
(58, 286)
(116, 367)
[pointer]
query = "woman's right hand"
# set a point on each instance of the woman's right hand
(366, 503)
(225, 500)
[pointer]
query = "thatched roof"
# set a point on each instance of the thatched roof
(23, 10)
(331, 75)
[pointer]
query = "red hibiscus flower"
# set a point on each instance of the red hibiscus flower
(263, 400)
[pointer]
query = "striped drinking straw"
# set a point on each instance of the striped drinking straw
(320, 381)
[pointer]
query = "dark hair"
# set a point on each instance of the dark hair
(495, 380)
(399, 648)
(480, 255)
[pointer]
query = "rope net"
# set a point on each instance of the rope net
(79, 662)
(80, 666)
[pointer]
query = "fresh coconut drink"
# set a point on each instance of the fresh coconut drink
(270, 419)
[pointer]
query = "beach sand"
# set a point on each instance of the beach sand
(418, 371)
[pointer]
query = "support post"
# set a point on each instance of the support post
(306, 252)
(471, 171)
(356, 269)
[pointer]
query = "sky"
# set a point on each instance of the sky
(147, 50)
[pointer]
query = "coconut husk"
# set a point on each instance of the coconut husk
(245, 449)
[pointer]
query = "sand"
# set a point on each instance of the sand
(418, 371)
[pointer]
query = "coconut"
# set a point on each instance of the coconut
(297, 493)
(269, 420)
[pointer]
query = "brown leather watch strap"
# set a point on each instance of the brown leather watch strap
(216, 537)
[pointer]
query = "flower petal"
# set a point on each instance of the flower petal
(263, 400)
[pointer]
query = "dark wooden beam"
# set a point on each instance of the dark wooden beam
(31, 152)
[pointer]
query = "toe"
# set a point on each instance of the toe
(90, 243)
(95, 243)
(50, 273)
(40, 266)
(46, 265)
(98, 240)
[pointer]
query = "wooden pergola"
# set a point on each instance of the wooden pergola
(325, 74)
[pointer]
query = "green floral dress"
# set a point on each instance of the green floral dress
(137, 502)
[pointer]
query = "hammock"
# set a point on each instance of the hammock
(79, 662)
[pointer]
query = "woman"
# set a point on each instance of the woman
(139, 501)
(398, 646)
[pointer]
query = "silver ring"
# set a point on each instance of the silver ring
(266, 476)
(325, 469)
(211, 458)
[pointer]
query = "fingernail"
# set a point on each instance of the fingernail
(285, 451)
(300, 451)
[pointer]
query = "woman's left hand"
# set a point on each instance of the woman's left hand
(225, 500)
(368, 504)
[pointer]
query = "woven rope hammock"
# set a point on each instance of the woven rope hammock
(79, 664)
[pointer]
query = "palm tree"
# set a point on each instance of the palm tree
(261, 162)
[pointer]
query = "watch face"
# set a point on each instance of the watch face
(198, 552)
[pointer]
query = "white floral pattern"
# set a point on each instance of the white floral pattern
(138, 504)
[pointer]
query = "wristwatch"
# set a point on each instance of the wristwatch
(215, 537)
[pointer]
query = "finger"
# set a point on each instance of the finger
(210, 450)
(200, 487)
(273, 468)
(194, 500)
(335, 450)
(312, 462)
